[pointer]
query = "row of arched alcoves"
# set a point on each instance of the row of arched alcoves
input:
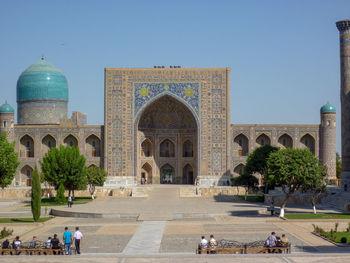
(241, 143)
(166, 148)
(25, 176)
(27, 145)
(167, 172)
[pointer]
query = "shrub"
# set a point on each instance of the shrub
(343, 240)
(5, 232)
(336, 227)
(60, 198)
(36, 195)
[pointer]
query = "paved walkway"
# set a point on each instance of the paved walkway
(147, 239)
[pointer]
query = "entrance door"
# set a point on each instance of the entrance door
(167, 174)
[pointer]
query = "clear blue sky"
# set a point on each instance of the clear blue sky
(284, 55)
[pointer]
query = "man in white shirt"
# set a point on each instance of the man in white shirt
(203, 244)
(78, 236)
(272, 240)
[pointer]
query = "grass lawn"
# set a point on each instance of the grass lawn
(316, 216)
(50, 201)
(253, 198)
(339, 235)
(23, 220)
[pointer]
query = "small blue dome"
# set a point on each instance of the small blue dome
(42, 81)
(328, 108)
(6, 108)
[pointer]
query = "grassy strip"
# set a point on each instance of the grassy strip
(316, 216)
(23, 220)
(253, 198)
(50, 201)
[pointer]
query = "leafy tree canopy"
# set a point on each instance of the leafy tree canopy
(257, 160)
(8, 161)
(96, 177)
(294, 169)
(65, 165)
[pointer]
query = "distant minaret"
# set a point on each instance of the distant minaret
(344, 37)
(7, 121)
(328, 140)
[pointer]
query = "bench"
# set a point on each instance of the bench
(31, 251)
(257, 250)
(245, 250)
(222, 250)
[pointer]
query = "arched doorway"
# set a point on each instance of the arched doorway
(92, 147)
(187, 174)
(241, 145)
(71, 141)
(26, 147)
(48, 142)
(26, 175)
(146, 173)
(307, 141)
(167, 137)
(167, 174)
(262, 140)
(285, 141)
(239, 169)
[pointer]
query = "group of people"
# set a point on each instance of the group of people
(51, 243)
(207, 244)
(276, 241)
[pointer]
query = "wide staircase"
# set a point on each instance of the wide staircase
(337, 199)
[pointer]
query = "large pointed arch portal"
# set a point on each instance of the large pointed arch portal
(167, 124)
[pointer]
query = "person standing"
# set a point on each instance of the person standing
(78, 236)
(67, 241)
(70, 201)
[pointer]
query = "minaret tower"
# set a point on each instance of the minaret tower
(344, 37)
(328, 140)
(7, 121)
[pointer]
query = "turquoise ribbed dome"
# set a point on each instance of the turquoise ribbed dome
(42, 81)
(6, 108)
(328, 108)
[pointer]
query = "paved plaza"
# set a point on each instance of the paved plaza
(167, 228)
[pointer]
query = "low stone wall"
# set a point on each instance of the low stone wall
(222, 191)
(300, 199)
(25, 192)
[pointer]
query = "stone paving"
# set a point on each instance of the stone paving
(175, 237)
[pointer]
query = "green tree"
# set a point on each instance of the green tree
(96, 177)
(65, 165)
(8, 161)
(36, 195)
(316, 184)
(60, 198)
(291, 169)
(257, 163)
(338, 165)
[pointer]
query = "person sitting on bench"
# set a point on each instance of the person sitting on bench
(5, 244)
(284, 241)
(202, 244)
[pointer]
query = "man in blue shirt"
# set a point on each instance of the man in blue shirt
(67, 241)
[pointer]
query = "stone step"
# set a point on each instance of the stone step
(141, 191)
(189, 192)
(155, 217)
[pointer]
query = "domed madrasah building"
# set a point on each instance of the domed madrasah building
(166, 125)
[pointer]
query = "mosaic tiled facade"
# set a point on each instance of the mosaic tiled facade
(164, 125)
(128, 95)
